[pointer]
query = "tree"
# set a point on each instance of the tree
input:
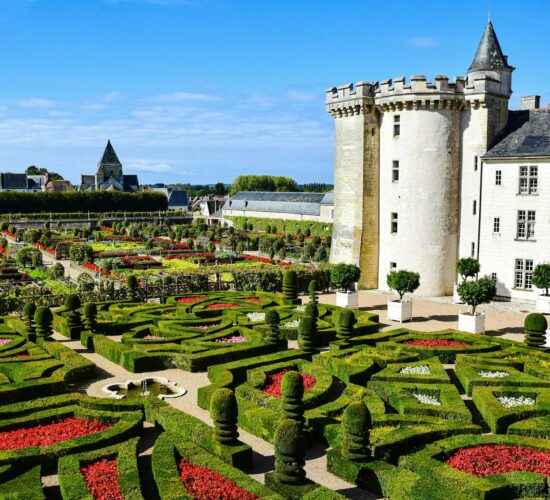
(81, 253)
(541, 277)
(477, 292)
(346, 321)
(289, 447)
(263, 183)
(219, 189)
(272, 320)
(28, 256)
(467, 267)
(343, 276)
(292, 390)
(356, 423)
(57, 270)
(403, 282)
(224, 410)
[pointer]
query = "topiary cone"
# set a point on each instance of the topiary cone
(290, 290)
(28, 315)
(90, 316)
(272, 320)
(344, 329)
(292, 390)
(132, 288)
(312, 289)
(43, 319)
(306, 331)
(74, 319)
(289, 453)
(535, 327)
(224, 411)
(356, 423)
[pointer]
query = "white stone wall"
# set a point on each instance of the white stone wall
(325, 215)
(499, 251)
(425, 197)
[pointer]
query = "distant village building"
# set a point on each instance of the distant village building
(24, 183)
(211, 206)
(318, 207)
(109, 175)
(177, 198)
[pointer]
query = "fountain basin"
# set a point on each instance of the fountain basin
(146, 387)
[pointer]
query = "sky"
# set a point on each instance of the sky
(201, 91)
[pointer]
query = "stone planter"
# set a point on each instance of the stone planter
(456, 297)
(349, 300)
(543, 304)
(471, 323)
(400, 310)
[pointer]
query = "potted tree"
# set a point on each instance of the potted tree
(474, 293)
(402, 282)
(541, 279)
(467, 267)
(343, 277)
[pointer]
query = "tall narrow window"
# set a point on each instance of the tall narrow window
(476, 161)
(396, 125)
(494, 277)
(473, 249)
(474, 207)
(496, 225)
(394, 222)
(498, 178)
(526, 224)
(395, 171)
(523, 274)
(528, 180)
(393, 266)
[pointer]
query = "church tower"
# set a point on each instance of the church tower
(109, 169)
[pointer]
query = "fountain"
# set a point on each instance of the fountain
(159, 387)
(144, 391)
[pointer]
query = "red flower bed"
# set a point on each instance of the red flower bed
(205, 484)
(107, 229)
(45, 249)
(253, 258)
(3, 250)
(189, 300)
(7, 233)
(17, 356)
(500, 459)
(436, 343)
(274, 381)
(102, 479)
(47, 434)
(222, 306)
(94, 268)
(254, 300)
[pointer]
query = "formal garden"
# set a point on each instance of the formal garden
(397, 414)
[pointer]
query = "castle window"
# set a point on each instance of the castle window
(528, 180)
(494, 277)
(396, 125)
(526, 224)
(474, 207)
(476, 161)
(498, 178)
(473, 249)
(523, 274)
(395, 171)
(393, 266)
(496, 225)
(394, 222)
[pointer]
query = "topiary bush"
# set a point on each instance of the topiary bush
(28, 316)
(290, 289)
(43, 319)
(292, 390)
(312, 289)
(289, 453)
(90, 316)
(273, 320)
(541, 277)
(344, 328)
(477, 292)
(403, 282)
(467, 267)
(535, 327)
(74, 320)
(356, 423)
(306, 333)
(343, 276)
(132, 288)
(224, 412)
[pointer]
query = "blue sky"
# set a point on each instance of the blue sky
(203, 90)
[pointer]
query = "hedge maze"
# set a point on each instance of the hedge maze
(403, 414)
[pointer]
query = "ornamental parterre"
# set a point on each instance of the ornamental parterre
(223, 306)
(101, 478)
(274, 381)
(435, 343)
(190, 300)
(47, 434)
(205, 484)
(487, 460)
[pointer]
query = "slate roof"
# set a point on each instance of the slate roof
(130, 182)
(489, 54)
(177, 198)
(13, 181)
(279, 197)
(109, 156)
(527, 134)
(36, 181)
(291, 203)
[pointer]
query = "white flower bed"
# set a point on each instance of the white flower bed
(513, 401)
(253, 317)
(416, 370)
(427, 399)
(493, 374)
(300, 308)
(292, 324)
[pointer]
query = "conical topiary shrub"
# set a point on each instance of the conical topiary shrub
(312, 289)
(306, 332)
(290, 288)
(43, 319)
(272, 320)
(356, 423)
(224, 411)
(292, 390)
(74, 320)
(289, 453)
(535, 327)
(90, 316)
(132, 288)
(28, 316)
(344, 329)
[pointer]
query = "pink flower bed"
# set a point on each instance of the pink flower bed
(47, 434)
(254, 300)
(151, 337)
(5, 341)
(189, 300)
(487, 460)
(205, 484)
(222, 306)
(274, 381)
(435, 343)
(203, 327)
(17, 356)
(235, 339)
(102, 479)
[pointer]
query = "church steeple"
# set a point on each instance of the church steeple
(489, 55)
(109, 156)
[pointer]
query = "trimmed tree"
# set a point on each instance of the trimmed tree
(312, 311)
(224, 411)
(467, 267)
(28, 316)
(292, 390)
(290, 288)
(306, 332)
(90, 316)
(289, 447)
(312, 290)
(346, 320)
(356, 423)
(541, 277)
(273, 321)
(43, 319)
(343, 276)
(474, 293)
(403, 282)
(74, 320)
(132, 288)
(535, 327)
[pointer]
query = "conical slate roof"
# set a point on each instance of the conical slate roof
(489, 54)
(109, 156)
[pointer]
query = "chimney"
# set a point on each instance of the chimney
(530, 102)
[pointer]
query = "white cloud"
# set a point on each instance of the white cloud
(184, 97)
(36, 102)
(153, 166)
(423, 42)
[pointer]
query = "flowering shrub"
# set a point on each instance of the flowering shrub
(5, 341)
(435, 343)
(47, 434)
(102, 479)
(416, 370)
(493, 374)
(205, 484)
(500, 459)
(427, 399)
(274, 381)
(513, 401)
(235, 339)
(222, 306)
(189, 300)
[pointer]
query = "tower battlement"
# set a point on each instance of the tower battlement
(350, 99)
